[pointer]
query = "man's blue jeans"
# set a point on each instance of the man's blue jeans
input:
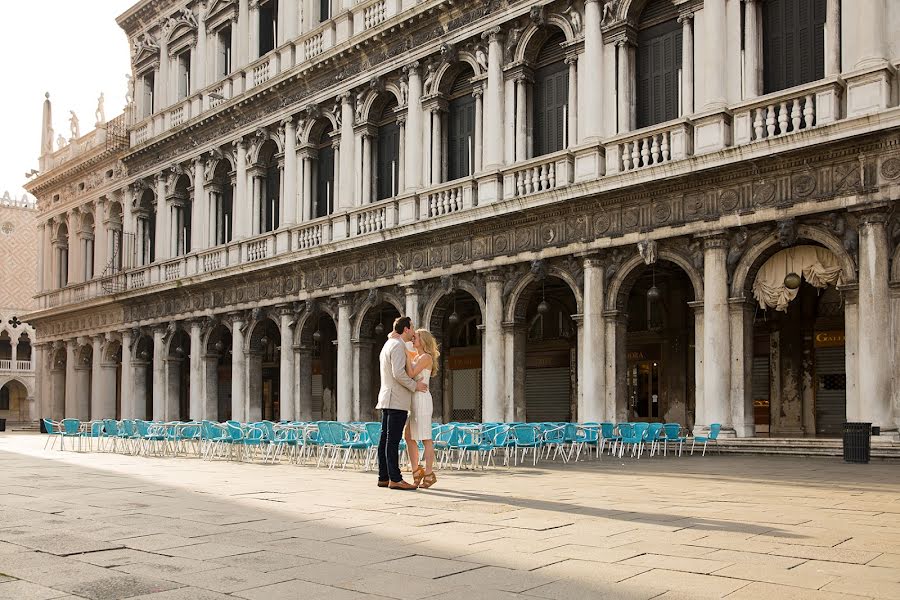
(392, 423)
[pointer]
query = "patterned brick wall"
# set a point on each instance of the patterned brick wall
(18, 256)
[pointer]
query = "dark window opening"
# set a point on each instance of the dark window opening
(268, 26)
(793, 43)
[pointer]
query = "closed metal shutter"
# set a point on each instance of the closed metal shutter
(831, 390)
(759, 389)
(317, 397)
(547, 394)
(466, 394)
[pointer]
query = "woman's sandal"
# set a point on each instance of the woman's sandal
(418, 474)
(428, 480)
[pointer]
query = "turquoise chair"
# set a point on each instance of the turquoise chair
(527, 437)
(608, 435)
(673, 434)
(111, 433)
(654, 437)
(213, 437)
(713, 434)
(70, 428)
(94, 432)
(586, 435)
(54, 431)
(634, 436)
(373, 435)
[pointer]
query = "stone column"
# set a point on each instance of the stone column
(99, 405)
(493, 363)
(238, 368)
(615, 365)
(413, 158)
(43, 375)
(199, 211)
(58, 388)
(162, 219)
(437, 141)
(874, 318)
(82, 384)
(752, 50)
(592, 354)
(209, 403)
(366, 183)
(687, 63)
(198, 395)
(716, 60)
(412, 298)
(43, 249)
(867, 23)
(199, 65)
(71, 395)
(742, 312)
(347, 160)
(253, 37)
(594, 75)
(163, 81)
(572, 108)
(365, 399)
(101, 232)
(716, 338)
(832, 37)
(127, 387)
(291, 20)
(286, 377)
(304, 383)
(400, 185)
(494, 103)
(173, 388)
(344, 360)
(514, 342)
(625, 86)
(241, 204)
(160, 384)
(850, 294)
(521, 119)
(75, 257)
(478, 150)
(289, 202)
(699, 402)
(307, 201)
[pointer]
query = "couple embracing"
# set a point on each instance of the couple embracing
(408, 360)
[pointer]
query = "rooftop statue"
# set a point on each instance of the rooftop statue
(73, 125)
(100, 113)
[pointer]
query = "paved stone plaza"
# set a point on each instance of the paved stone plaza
(107, 526)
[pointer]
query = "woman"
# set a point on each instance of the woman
(418, 429)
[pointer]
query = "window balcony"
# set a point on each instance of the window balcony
(648, 147)
(540, 174)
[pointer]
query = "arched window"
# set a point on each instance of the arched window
(460, 125)
(388, 152)
(551, 96)
(61, 244)
(658, 63)
(270, 191)
(323, 195)
(114, 239)
(223, 203)
(146, 228)
(87, 246)
(793, 43)
(181, 202)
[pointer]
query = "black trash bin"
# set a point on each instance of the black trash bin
(2, 424)
(43, 426)
(857, 442)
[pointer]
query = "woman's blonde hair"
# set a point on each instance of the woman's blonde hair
(431, 347)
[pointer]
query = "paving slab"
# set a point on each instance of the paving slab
(20, 590)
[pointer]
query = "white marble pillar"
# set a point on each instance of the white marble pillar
(200, 58)
(200, 231)
(413, 158)
(286, 358)
(437, 140)
(345, 195)
(126, 385)
(874, 316)
(592, 355)
(82, 387)
(687, 64)
(699, 397)
(253, 37)
(741, 316)
(344, 360)
(412, 297)
(615, 323)
(99, 393)
(850, 295)
(291, 20)
(478, 149)
(198, 394)
(159, 374)
(716, 333)
(71, 393)
(572, 108)
(304, 383)
(493, 360)
(832, 37)
(366, 183)
(716, 61)
(101, 237)
(624, 86)
(163, 81)
(752, 49)
(867, 23)
(521, 119)
(308, 202)
(594, 75)
(494, 102)
(241, 205)
(400, 185)
(289, 202)
(162, 219)
(75, 248)
(238, 368)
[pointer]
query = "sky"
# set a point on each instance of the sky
(71, 48)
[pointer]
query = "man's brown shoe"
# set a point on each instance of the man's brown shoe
(383, 483)
(401, 485)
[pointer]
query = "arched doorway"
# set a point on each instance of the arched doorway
(659, 350)
(58, 362)
(84, 360)
(798, 373)
(14, 402)
(217, 374)
(111, 370)
(376, 325)
(317, 377)
(264, 371)
(455, 321)
(142, 364)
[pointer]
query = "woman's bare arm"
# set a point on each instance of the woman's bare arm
(421, 363)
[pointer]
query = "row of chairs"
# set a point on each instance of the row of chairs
(332, 443)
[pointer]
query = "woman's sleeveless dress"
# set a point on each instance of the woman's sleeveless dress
(422, 408)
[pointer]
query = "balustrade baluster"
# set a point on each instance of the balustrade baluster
(665, 146)
(782, 118)
(795, 115)
(626, 156)
(808, 112)
(654, 149)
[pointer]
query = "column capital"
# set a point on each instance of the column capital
(344, 300)
(410, 289)
(687, 17)
(412, 68)
(236, 318)
(494, 34)
(696, 306)
(713, 239)
(871, 213)
(493, 276)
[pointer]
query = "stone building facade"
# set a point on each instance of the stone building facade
(679, 210)
(19, 249)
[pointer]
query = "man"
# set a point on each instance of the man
(394, 401)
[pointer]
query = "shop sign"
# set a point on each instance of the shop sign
(829, 339)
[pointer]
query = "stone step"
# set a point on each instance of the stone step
(881, 448)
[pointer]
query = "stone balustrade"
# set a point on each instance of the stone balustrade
(539, 174)
(178, 115)
(374, 217)
(447, 198)
(788, 111)
(213, 260)
(312, 235)
(649, 147)
(258, 249)
(172, 269)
